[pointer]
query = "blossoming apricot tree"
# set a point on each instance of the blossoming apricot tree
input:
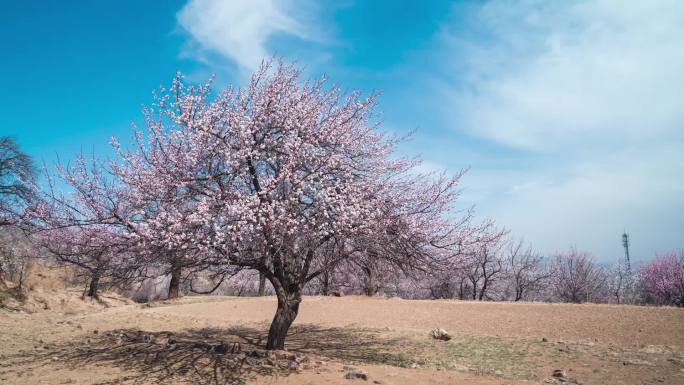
(662, 279)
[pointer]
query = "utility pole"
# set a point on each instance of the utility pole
(625, 244)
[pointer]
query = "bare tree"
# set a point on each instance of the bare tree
(620, 282)
(484, 267)
(526, 273)
(576, 277)
(17, 172)
(16, 256)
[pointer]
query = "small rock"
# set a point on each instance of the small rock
(257, 354)
(558, 373)
(96, 331)
(356, 375)
(220, 348)
(338, 293)
(545, 340)
(300, 358)
(441, 334)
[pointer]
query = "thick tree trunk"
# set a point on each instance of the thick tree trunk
(371, 286)
(288, 307)
(518, 295)
(325, 288)
(94, 284)
(483, 290)
(174, 284)
(262, 285)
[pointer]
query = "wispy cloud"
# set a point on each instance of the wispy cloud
(241, 29)
(593, 91)
(549, 74)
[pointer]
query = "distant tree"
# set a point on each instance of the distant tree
(16, 256)
(525, 271)
(329, 263)
(662, 279)
(79, 226)
(17, 173)
(476, 269)
(576, 277)
(620, 282)
(484, 265)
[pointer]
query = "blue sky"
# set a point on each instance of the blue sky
(569, 114)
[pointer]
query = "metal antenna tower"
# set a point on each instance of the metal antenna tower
(625, 244)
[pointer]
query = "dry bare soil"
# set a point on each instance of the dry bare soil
(493, 343)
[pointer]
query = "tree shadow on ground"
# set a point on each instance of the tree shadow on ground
(215, 355)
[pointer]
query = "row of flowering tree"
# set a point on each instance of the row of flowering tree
(284, 177)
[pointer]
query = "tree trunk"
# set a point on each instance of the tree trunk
(3, 284)
(262, 285)
(518, 294)
(262, 280)
(94, 284)
(325, 289)
(483, 290)
(371, 286)
(288, 307)
(174, 284)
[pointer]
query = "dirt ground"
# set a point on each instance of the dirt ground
(389, 339)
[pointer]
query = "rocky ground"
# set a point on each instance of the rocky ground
(219, 340)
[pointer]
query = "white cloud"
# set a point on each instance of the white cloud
(240, 29)
(549, 74)
(589, 95)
